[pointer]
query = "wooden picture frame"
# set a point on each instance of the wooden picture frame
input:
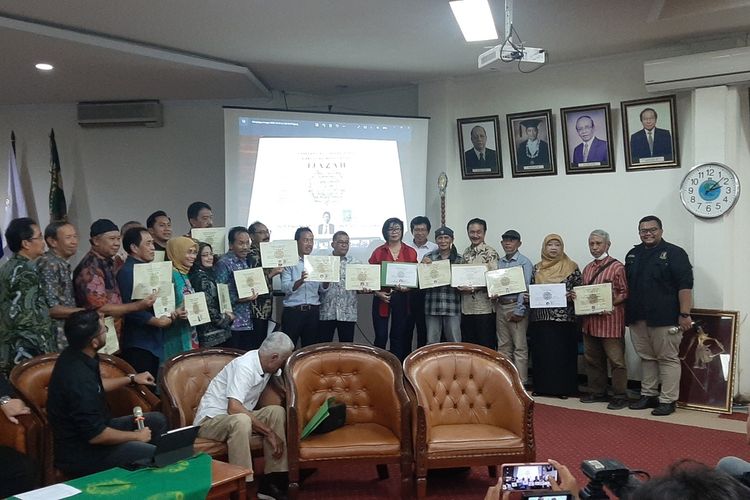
(482, 132)
(657, 117)
(524, 129)
(708, 353)
(582, 125)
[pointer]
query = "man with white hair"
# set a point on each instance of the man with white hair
(227, 411)
(603, 333)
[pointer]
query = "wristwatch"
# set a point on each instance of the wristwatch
(684, 315)
(5, 400)
(132, 378)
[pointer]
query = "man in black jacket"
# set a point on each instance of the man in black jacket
(660, 280)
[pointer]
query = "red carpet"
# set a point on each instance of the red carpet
(569, 436)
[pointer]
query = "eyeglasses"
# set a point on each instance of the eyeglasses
(394, 229)
(649, 230)
(40, 237)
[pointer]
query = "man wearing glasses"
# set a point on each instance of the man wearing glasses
(660, 280)
(25, 327)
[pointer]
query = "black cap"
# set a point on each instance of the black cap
(443, 231)
(102, 226)
(511, 234)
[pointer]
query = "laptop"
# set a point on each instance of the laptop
(171, 447)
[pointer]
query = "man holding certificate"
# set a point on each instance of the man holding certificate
(236, 260)
(477, 311)
(142, 340)
(442, 304)
(301, 315)
(338, 306)
(261, 308)
(420, 229)
(511, 318)
(603, 333)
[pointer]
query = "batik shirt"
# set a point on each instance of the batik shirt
(224, 271)
(262, 307)
(336, 302)
(95, 285)
(25, 327)
(57, 283)
(479, 302)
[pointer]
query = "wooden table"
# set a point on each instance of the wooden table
(227, 481)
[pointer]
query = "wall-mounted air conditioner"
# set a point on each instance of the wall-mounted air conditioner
(120, 114)
(707, 69)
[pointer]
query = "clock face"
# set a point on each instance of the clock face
(710, 190)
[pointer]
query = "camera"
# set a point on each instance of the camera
(607, 472)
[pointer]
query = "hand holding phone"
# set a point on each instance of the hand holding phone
(529, 476)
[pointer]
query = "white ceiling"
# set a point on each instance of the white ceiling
(313, 46)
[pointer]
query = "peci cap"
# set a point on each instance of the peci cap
(511, 234)
(443, 231)
(102, 226)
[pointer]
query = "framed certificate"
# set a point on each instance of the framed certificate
(250, 282)
(112, 344)
(400, 274)
(280, 253)
(323, 268)
(225, 301)
(165, 302)
(214, 236)
(470, 275)
(362, 277)
(150, 277)
(593, 299)
(197, 309)
(548, 295)
(437, 273)
(505, 281)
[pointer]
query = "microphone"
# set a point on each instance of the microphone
(138, 417)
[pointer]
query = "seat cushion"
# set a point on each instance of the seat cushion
(472, 438)
(351, 441)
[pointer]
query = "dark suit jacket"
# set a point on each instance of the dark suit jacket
(541, 159)
(471, 162)
(662, 145)
(322, 226)
(597, 152)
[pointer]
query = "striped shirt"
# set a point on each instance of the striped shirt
(606, 325)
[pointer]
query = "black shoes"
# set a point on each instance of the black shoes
(645, 402)
(594, 398)
(663, 409)
(273, 486)
(617, 403)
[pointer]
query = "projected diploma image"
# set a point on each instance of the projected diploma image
(343, 173)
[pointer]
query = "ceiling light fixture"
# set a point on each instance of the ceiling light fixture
(474, 17)
(44, 67)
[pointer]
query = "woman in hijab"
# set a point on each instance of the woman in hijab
(553, 331)
(201, 275)
(180, 337)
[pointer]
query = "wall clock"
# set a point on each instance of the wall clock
(710, 190)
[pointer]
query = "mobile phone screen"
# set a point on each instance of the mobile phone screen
(528, 476)
(557, 495)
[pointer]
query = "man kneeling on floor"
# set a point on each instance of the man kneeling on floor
(227, 412)
(86, 438)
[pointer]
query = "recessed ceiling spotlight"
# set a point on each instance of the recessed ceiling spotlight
(44, 67)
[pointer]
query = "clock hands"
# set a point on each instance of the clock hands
(714, 187)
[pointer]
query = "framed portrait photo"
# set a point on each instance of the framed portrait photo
(479, 147)
(649, 128)
(532, 144)
(587, 137)
(708, 358)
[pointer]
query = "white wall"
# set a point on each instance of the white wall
(573, 205)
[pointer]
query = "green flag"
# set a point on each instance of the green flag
(57, 206)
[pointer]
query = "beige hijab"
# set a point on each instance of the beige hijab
(177, 249)
(554, 270)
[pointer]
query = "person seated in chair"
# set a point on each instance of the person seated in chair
(18, 473)
(227, 412)
(86, 438)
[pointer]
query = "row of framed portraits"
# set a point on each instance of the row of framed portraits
(649, 133)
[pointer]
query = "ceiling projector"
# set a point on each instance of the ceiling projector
(506, 53)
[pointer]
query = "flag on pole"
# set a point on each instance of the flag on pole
(57, 207)
(14, 204)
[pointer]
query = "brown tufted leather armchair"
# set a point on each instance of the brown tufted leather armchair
(469, 408)
(370, 382)
(31, 379)
(185, 379)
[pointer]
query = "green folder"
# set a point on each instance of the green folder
(318, 418)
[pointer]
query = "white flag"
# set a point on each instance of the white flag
(14, 203)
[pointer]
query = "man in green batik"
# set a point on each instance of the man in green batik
(25, 328)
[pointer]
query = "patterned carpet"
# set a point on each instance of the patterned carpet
(569, 436)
